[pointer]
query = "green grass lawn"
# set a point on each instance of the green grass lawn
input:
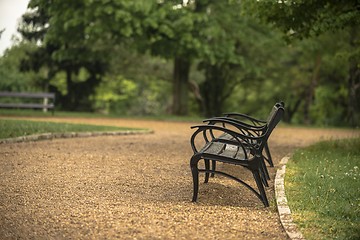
(322, 185)
(15, 128)
(60, 114)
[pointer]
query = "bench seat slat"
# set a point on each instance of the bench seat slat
(214, 148)
(225, 150)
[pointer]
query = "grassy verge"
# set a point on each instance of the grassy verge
(15, 128)
(322, 185)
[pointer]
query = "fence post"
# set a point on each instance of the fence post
(45, 103)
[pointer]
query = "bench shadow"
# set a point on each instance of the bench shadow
(219, 191)
(178, 188)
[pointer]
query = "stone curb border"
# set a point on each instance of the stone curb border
(48, 136)
(281, 202)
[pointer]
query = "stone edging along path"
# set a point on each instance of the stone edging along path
(48, 136)
(281, 201)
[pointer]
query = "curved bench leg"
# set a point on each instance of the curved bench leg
(263, 165)
(207, 167)
(213, 167)
(264, 174)
(260, 186)
(268, 155)
(195, 174)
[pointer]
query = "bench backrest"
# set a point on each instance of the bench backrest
(45, 105)
(27, 95)
(274, 109)
(274, 118)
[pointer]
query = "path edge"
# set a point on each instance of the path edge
(50, 136)
(282, 204)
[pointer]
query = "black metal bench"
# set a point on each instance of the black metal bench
(235, 143)
(48, 100)
(245, 121)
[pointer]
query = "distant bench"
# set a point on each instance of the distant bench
(48, 100)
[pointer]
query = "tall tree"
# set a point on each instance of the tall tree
(11, 78)
(234, 53)
(165, 28)
(172, 29)
(60, 28)
(304, 19)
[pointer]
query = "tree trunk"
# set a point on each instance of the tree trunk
(311, 92)
(68, 99)
(292, 109)
(180, 86)
(194, 87)
(213, 90)
(353, 89)
(353, 83)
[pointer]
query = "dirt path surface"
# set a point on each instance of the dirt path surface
(133, 187)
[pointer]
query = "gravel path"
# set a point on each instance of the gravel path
(132, 187)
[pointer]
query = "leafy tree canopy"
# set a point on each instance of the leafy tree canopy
(301, 18)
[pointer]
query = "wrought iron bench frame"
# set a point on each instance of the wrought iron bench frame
(254, 122)
(257, 139)
(247, 152)
(256, 127)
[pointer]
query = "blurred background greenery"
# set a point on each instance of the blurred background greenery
(192, 58)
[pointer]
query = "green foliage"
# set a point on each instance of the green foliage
(322, 184)
(307, 19)
(261, 77)
(301, 18)
(114, 94)
(327, 109)
(128, 98)
(11, 78)
(129, 90)
(99, 55)
(65, 47)
(232, 52)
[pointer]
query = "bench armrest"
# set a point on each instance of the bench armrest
(238, 139)
(254, 121)
(243, 128)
